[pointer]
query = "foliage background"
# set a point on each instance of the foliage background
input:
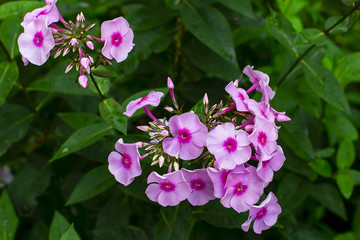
(56, 136)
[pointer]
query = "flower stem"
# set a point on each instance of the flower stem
(149, 113)
(252, 88)
(97, 87)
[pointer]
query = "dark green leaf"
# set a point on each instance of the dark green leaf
(309, 36)
(211, 28)
(116, 212)
(321, 166)
(343, 127)
(59, 226)
(243, 7)
(82, 138)
(355, 174)
(10, 31)
(111, 111)
(70, 234)
(118, 232)
(9, 73)
(13, 8)
(325, 153)
(345, 236)
(292, 163)
(345, 155)
(8, 218)
(104, 71)
(102, 83)
(346, 184)
(347, 69)
(340, 28)
(79, 120)
(91, 184)
(329, 197)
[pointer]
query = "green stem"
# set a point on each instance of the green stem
(97, 87)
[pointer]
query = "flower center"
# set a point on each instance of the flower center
(126, 161)
(116, 39)
(262, 138)
(197, 184)
(184, 135)
(38, 39)
(230, 144)
(240, 188)
(167, 186)
(261, 213)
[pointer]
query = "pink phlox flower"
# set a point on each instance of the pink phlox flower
(264, 216)
(261, 110)
(201, 185)
(264, 138)
(36, 41)
(118, 37)
(266, 168)
(229, 146)
(239, 96)
(5, 175)
(260, 78)
(49, 10)
(280, 116)
(189, 136)
(125, 166)
(153, 99)
(169, 189)
(243, 189)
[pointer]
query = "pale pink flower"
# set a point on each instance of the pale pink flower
(125, 166)
(36, 41)
(118, 37)
(265, 215)
(239, 96)
(169, 189)
(266, 168)
(83, 81)
(153, 99)
(189, 136)
(260, 81)
(50, 11)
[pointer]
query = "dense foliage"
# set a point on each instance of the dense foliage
(55, 136)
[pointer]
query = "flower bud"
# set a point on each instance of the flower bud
(169, 109)
(66, 50)
(90, 45)
(85, 63)
(170, 83)
(161, 160)
(73, 41)
(69, 67)
(176, 166)
(164, 133)
(83, 81)
(143, 128)
(206, 102)
(236, 83)
(281, 117)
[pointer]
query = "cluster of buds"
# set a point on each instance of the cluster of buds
(41, 36)
(228, 151)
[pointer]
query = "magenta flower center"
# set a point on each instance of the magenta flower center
(240, 188)
(197, 184)
(184, 135)
(38, 39)
(241, 97)
(126, 161)
(262, 138)
(167, 186)
(264, 163)
(116, 39)
(261, 213)
(223, 176)
(230, 144)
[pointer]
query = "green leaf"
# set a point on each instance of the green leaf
(325, 85)
(211, 28)
(114, 232)
(59, 226)
(111, 112)
(321, 166)
(343, 127)
(9, 73)
(355, 174)
(243, 7)
(79, 120)
(8, 218)
(328, 196)
(81, 139)
(102, 83)
(345, 236)
(91, 184)
(309, 36)
(116, 212)
(347, 69)
(10, 31)
(16, 7)
(325, 152)
(340, 28)
(346, 184)
(345, 155)
(70, 234)
(140, 95)
(14, 123)
(104, 71)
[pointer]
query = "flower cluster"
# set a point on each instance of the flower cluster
(229, 150)
(41, 36)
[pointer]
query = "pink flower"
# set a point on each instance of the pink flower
(49, 11)
(36, 41)
(260, 81)
(239, 96)
(200, 183)
(261, 110)
(229, 146)
(265, 169)
(243, 189)
(189, 136)
(118, 38)
(83, 81)
(265, 215)
(169, 189)
(125, 166)
(153, 99)
(85, 63)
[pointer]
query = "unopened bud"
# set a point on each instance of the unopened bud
(164, 133)
(69, 67)
(236, 83)
(249, 128)
(154, 163)
(143, 128)
(83, 81)
(139, 144)
(25, 61)
(155, 157)
(80, 19)
(161, 160)
(73, 41)
(66, 50)
(206, 102)
(281, 117)
(169, 109)
(91, 59)
(85, 63)
(176, 166)
(170, 83)
(90, 45)
(58, 52)
(90, 27)
(213, 108)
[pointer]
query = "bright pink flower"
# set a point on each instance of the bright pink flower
(265, 215)
(264, 138)
(200, 183)
(189, 136)
(153, 99)
(229, 146)
(239, 96)
(49, 11)
(243, 189)
(118, 38)
(265, 169)
(169, 189)
(125, 166)
(83, 81)
(260, 80)
(36, 41)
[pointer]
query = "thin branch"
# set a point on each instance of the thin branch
(97, 87)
